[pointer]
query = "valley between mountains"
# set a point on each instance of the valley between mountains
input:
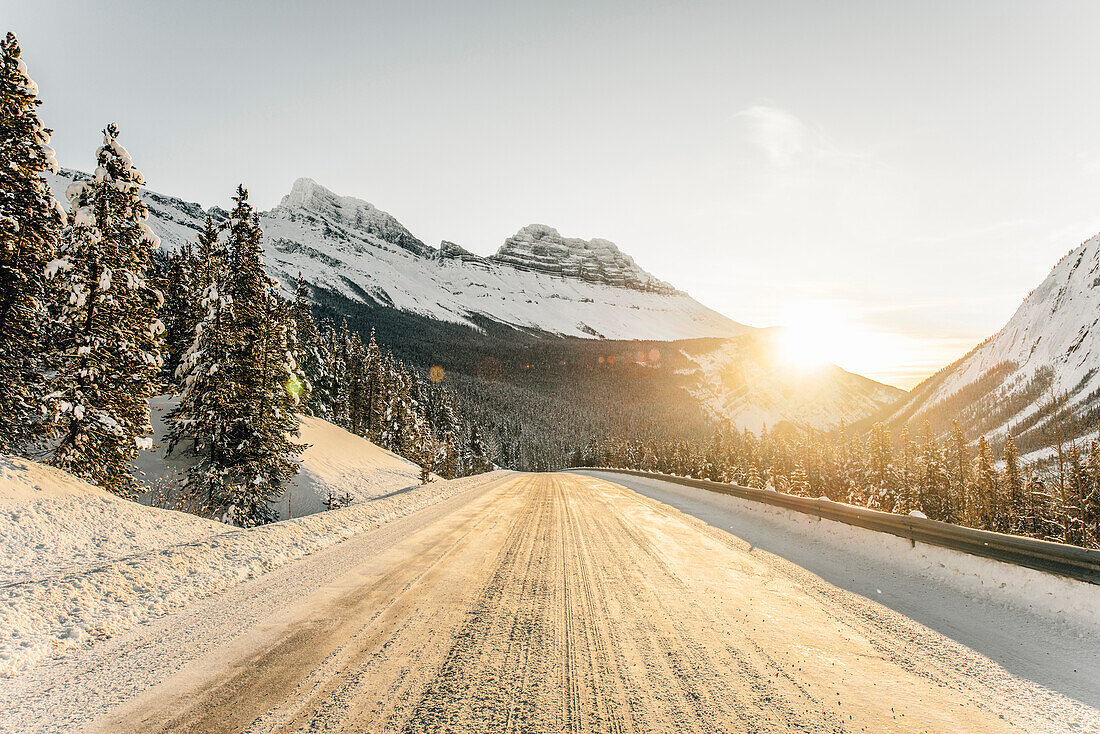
(557, 305)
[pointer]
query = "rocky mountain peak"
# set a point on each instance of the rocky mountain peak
(310, 200)
(542, 248)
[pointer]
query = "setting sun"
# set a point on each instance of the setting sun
(816, 334)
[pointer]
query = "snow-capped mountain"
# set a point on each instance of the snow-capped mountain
(1050, 346)
(540, 248)
(745, 381)
(537, 281)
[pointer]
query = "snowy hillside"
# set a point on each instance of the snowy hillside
(1052, 343)
(339, 463)
(335, 463)
(744, 381)
(538, 280)
(54, 522)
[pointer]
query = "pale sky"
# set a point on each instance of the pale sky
(891, 178)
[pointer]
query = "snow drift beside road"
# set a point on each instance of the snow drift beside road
(52, 522)
(79, 564)
(338, 462)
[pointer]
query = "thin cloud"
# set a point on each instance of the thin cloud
(781, 135)
(787, 140)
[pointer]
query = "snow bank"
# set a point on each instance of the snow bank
(339, 462)
(1057, 599)
(144, 562)
(335, 462)
(52, 522)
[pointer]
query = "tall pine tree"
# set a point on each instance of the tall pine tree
(264, 418)
(30, 220)
(108, 334)
(208, 391)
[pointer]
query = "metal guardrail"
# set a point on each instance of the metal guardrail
(1042, 555)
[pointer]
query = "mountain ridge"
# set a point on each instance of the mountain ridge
(1048, 350)
(344, 244)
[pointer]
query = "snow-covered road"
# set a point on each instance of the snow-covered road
(545, 603)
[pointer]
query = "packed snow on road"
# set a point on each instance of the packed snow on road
(536, 603)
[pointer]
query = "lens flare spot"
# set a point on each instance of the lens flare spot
(294, 387)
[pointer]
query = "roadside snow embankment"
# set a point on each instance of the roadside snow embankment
(335, 463)
(834, 550)
(338, 463)
(133, 563)
(51, 522)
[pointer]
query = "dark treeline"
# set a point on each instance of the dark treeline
(1057, 498)
(94, 322)
(536, 397)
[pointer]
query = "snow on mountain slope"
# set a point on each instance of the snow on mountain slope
(538, 280)
(746, 381)
(1051, 343)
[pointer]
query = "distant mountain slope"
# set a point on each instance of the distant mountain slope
(742, 380)
(538, 280)
(1050, 345)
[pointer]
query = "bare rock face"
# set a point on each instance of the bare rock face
(450, 251)
(541, 248)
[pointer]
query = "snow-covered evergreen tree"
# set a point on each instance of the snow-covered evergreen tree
(341, 397)
(309, 348)
(241, 385)
(1091, 506)
(183, 309)
(208, 390)
(446, 459)
(957, 461)
(30, 220)
(355, 382)
(1013, 483)
(985, 500)
(478, 461)
(108, 335)
(264, 416)
(907, 474)
(211, 256)
(375, 399)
